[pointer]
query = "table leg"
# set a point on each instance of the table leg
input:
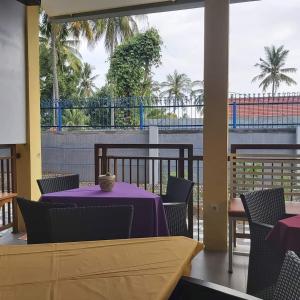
(15, 216)
(230, 250)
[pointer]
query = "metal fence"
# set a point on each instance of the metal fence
(244, 111)
(264, 111)
(134, 112)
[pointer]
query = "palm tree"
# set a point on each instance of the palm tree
(176, 88)
(115, 30)
(63, 40)
(86, 84)
(273, 70)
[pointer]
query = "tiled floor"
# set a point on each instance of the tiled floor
(213, 266)
(6, 237)
(207, 265)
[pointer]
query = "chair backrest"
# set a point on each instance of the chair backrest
(35, 215)
(57, 184)
(179, 189)
(288, 284)
(264, 206)
(90, 223)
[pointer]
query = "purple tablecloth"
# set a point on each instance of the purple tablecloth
(149, 217)
(286, 234)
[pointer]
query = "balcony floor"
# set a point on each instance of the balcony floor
(207, 265)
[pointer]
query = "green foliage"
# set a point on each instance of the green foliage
(160, 113)
(131, 63)
(106, 91)
(75, 117)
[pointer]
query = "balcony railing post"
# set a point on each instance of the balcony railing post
(104, 168)
(181, 163)
(191, 202)
(141, 115)
(112, 114)
(234, 110)
(59, 116)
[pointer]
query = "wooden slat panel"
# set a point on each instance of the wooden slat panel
(261, 171)
(273, 174)
(269, 160)
(289, 180)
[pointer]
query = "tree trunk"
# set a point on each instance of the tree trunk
(273, 89)
(55, 94)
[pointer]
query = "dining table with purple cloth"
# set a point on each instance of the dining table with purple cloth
(286, 234)
(149, 218)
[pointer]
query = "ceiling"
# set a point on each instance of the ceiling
(30, 2)
(67, 10)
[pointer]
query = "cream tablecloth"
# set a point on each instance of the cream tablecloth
(121, 269)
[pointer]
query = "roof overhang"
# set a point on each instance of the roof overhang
(70, 10)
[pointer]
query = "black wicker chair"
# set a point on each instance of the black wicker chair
(263, 209)
(288, 284)
(57, 184)
(195, 289)
(90, 223)
(175, 204)
(35, 217)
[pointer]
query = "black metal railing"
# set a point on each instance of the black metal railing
(7, 185)
(133, 112)
(244, 111)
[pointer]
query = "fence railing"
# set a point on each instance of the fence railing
(264, 111)
(244, 111)
(135, 112)
(7, 184)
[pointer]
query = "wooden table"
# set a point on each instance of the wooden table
(236, 212)
(8, 198)
(145, 268)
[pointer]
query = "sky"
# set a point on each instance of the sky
(253, 26)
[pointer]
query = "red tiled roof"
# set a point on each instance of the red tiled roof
(266, 106)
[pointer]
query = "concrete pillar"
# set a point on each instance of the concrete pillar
(153, 139)
(215, 132)
(29, 164)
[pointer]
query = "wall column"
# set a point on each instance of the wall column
(215, 132)
(29, 164)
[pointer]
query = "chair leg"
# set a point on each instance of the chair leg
(230, 250)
